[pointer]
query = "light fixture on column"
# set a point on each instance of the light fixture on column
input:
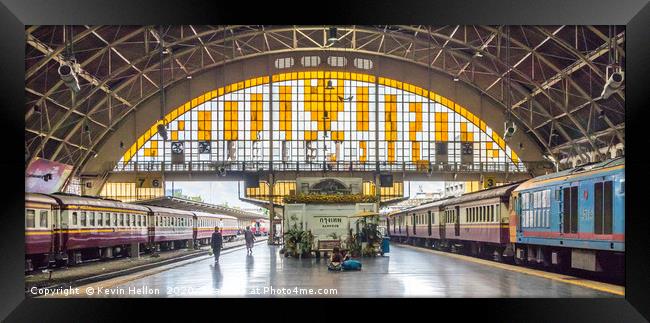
(615, 78)
(509, 130)
(69, 75)
(332, 36)
(162, 131)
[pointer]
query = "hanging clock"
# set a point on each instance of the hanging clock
(204, 147)
(177, 147)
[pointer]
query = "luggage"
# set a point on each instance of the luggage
(351, 265)
(334, 266)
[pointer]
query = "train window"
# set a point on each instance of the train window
(107, 219)
(558, 194)
(99, 219)
(114, 219)
(43, 219)
(622, 189)
(91, 219)
(121, 219)
(30, 219)
(492, 213)
(82, 219)
(547, 198)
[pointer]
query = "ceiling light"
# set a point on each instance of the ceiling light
(456, 79)
(478, 54)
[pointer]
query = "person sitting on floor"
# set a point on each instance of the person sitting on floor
(335, 260)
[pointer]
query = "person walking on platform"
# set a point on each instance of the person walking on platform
(250, 240)
(217, 243)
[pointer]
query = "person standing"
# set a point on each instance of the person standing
(217, 243)
(250, 240)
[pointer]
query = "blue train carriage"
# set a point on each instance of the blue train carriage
(574, 218)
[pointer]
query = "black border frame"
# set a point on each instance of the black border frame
(635, 14)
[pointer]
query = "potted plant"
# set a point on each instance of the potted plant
(371, 237)
(291, 241)
(305, 243)
(353, 244)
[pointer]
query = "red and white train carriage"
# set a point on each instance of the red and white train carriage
(71, 228)
(476, 222)
(170, 228)
(206, 222)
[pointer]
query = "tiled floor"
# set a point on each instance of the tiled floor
(404, 272)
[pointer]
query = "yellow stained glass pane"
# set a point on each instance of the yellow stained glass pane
(338, 136)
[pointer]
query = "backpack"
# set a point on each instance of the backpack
(351, 265)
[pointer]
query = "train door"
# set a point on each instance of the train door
(54, 224)
(570, 209)
(414, 222)
(388, 225)
(442, 223)
(603, 207)
(429, 215)
(394, 224)
(457, 220)
(400, 223)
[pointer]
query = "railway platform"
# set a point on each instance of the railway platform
(406, 272)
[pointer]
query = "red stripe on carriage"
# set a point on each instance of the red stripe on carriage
(620, 237)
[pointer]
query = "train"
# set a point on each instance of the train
(572, 219)
(260, 227)
(69, 229)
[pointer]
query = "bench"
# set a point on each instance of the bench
(327, 246)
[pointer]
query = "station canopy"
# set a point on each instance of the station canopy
(189, 205)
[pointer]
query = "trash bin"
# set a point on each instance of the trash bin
(385, 245)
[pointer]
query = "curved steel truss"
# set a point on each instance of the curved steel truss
(550, 76)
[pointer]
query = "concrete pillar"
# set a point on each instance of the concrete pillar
(135, 250)
(271, 210)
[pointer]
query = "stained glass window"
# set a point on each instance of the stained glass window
(320, 119)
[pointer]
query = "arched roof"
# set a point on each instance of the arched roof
(554, 74)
